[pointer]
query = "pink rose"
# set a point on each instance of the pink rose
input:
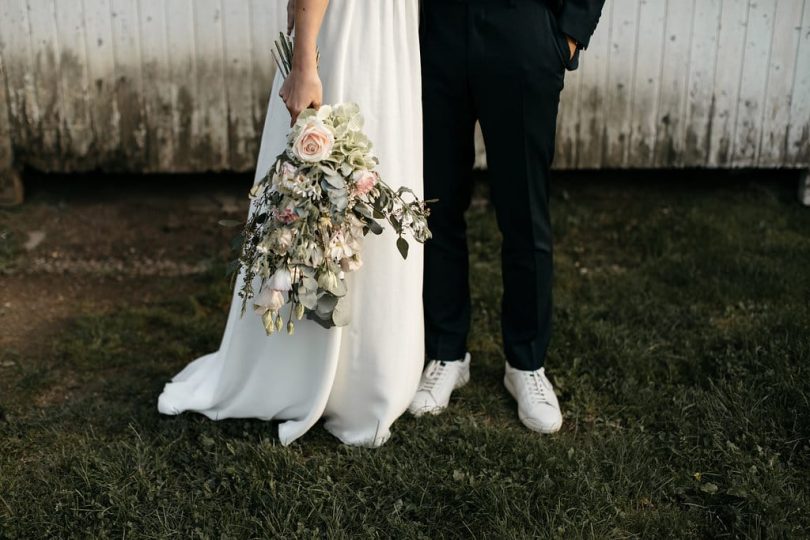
(314, 142)
(364, 182)
(287, 216)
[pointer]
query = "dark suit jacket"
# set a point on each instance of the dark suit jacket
(578, 18)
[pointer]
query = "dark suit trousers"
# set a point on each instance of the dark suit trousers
(500, 62)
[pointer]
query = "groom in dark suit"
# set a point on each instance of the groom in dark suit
(502, 63)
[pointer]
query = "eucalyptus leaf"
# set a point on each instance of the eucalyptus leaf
(364, 211)
(308, 299)
(335, 181)
(309, 283)
(374, 227)
(346, 169)
(341, 315)
(340, 289)
(402, 246)
(326, 304)
(324, 322)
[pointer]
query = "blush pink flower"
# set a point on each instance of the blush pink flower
(287, 216)
(268, 300)
(364, 182)
(314, 143)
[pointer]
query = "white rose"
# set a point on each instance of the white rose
(314, 255)
(338, 247)
(268, 300)
(281, 280)
(314, 142)
(284, 239)
(351, 264)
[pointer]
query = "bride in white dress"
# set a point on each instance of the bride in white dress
(359, 378)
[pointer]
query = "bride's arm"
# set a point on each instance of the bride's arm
(303, 89)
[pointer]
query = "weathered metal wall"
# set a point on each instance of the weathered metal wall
(182, 85)
(151, 85)
(717, 83)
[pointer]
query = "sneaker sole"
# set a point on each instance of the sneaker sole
(528, 422)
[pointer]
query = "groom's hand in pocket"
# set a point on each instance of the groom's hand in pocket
(572, 47)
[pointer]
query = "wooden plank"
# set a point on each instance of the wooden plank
(670, 140)
(238, 52)
(211, 133)
(702, 66)
(782, 66)
(129, 83)
(77, 124)
(798, 140)
(592, 100)
(101, 71)
(183, 78)
(157, 93)
(621, 67)
(753, 83)
(646, 83)
(723, 116)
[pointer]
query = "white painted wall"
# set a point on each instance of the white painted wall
(182, 85)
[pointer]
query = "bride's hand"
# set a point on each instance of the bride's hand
(301, 90)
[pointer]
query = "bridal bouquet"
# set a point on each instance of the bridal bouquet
(312, 209)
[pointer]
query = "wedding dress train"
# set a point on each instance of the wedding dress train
(360, 378)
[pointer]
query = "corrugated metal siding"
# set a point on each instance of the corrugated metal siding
(148, 85)
(182, 85)
(699, 83)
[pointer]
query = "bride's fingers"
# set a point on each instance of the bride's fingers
(293, 116)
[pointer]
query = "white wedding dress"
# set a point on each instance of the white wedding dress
(360, 378)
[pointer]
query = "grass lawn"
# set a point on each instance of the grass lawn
(681, 355)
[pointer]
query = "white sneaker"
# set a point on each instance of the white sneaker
(538, 407)
(438, 381)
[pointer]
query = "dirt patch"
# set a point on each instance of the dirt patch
(92, 243)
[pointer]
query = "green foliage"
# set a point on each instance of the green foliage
(681, 355)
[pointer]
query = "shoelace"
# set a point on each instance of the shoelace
(537, 389)
(434, 375)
